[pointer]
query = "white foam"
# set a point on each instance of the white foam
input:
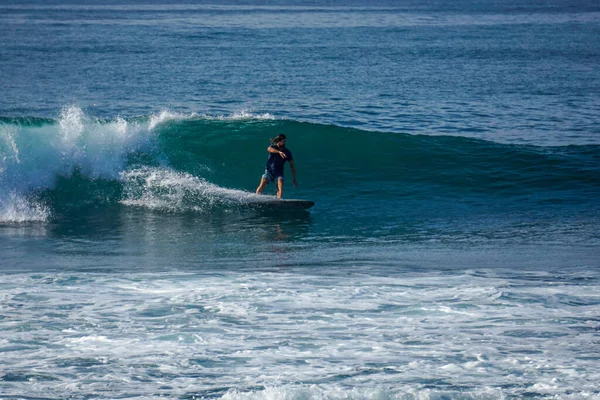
(167, 115)
(246, 114)
(316, 392)
(71, 123)
(15, 208)
(31, 157)
(241, 115)
(294, 335)
(167, 189)
(92, 338)
(8, 149)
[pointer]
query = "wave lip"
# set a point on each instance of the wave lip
(166, 116)
(247, 115)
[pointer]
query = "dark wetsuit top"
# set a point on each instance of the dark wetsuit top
(275, 162)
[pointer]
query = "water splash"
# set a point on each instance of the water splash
(170, 190)
(16, 208)
(32, 156)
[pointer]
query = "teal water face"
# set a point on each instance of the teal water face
(452, 151)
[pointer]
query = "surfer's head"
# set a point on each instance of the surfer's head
(279, 140)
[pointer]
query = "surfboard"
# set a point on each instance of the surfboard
(284, 204)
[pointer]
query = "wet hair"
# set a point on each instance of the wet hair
(278, 138)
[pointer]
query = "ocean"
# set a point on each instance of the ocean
(452, 150)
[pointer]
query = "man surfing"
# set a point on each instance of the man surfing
(278, 155)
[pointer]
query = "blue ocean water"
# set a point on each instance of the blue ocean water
(452, 150)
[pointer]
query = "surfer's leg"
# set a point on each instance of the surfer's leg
(261, 187)
(280, 188)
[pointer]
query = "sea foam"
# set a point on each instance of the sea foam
(33, 156)
(169, 190)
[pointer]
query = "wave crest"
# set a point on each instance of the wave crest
(32, 156)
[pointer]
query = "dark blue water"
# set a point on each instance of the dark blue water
(452, 150)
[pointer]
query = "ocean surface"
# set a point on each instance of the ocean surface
(452, 149)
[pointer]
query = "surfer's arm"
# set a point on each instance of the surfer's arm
(273, 150)
(293, 168)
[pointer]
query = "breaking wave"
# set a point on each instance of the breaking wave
(190, 162)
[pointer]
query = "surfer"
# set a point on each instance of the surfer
(278, 155)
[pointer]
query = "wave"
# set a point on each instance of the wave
(178, 162)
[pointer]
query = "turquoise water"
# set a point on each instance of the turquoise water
(452, 150)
